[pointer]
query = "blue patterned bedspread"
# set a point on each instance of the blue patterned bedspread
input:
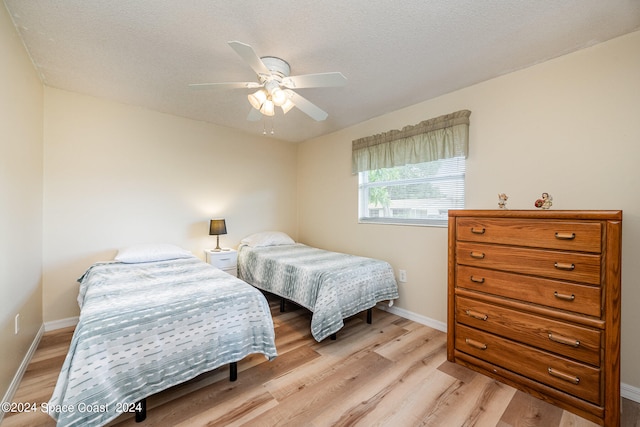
(332, 285)
(146, 327)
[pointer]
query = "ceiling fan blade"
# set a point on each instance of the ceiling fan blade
(225, 85)
(307, 106)
(315, 80)
(254, 115)
(247, 53)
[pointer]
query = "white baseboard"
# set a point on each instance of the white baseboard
(626, 391)
(46, 327)
(60, 324)
(630, 392)
(13, 387)
(427, 321)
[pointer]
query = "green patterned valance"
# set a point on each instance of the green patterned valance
(440, 138)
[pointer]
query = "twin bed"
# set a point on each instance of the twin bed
(332, 285)
(147, 326)
(157, 316)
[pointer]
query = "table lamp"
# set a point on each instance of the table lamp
(216, 228)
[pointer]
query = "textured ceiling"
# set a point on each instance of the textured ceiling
(393, 53)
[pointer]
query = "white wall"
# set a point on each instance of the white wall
(116, 175)
(568, 126)
(20, 200)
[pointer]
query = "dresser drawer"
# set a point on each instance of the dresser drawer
(563, 338)
(578, 379)
(577, 267)
(583, 299)
(565, 235)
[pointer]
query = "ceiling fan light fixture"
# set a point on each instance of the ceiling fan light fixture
(278, 97)
(268, 108)
(288, 105)
(275, 92)
(257, 99)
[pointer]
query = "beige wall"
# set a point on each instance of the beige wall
(568, 126)
(20, 200)
(117, 175)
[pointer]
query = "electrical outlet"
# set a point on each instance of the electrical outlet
(17, 324)
(402, 276)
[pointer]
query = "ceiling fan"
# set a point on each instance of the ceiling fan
(275, 85)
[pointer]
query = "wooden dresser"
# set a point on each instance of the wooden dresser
(534, 302)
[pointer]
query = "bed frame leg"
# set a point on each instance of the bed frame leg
(141, 410)
(141, 406)
(282, 301)
(233, 371)
(369, 315)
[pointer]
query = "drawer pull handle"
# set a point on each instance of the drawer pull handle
(563, 376)
(480, 280)
(477, 255)
(477, 231)
(476, 344)
(565, 236)
(564, 266)
(564, 340)
(564, 296)
(476, 315)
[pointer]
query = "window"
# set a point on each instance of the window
(419, 193)
(413, 175)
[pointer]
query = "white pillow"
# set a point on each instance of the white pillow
(267, 238)
(151, 252)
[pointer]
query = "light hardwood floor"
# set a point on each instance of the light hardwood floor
(391, 373)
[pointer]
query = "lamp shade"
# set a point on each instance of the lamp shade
(288, 105)
(257, 99)
(217, 227)
(279, 97)
(267, 108)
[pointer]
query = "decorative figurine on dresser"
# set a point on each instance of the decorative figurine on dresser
(534, 302)
(502, 200)
(545, 202)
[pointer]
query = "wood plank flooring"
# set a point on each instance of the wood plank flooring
(391, 373)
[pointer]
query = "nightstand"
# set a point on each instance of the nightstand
(225, 260)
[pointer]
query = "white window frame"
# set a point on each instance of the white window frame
(441, 206)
